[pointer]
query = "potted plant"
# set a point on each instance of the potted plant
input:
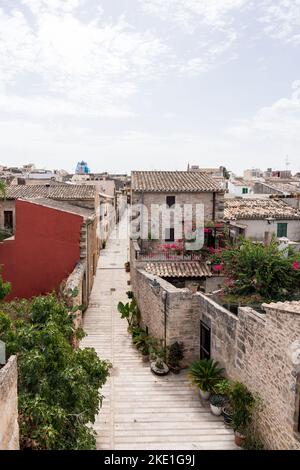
(157, 355)
(216, 404)
(130, 294)
(205, 373)
(145, 352)
(127, 266)
(130, 312)
(219, 397)
(227, 412)
(243, 403)
(175, 355)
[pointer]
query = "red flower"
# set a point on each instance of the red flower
(296, 265)
(218, 267)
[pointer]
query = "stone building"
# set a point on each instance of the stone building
(173, 189)
(259, 219)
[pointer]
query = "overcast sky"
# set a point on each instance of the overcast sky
(150, 84)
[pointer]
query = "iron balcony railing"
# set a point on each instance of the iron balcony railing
(157, 256)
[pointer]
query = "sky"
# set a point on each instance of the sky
(150, 84)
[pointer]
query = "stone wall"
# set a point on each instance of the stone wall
(75, 282)
(207, 199)
(9, 428)
(170, 314)
(253, 347)
(92, 254)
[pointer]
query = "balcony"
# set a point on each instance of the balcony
(145, 255)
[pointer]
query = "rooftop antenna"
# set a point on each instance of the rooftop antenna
(287, 162)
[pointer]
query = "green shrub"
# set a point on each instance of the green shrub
(205, 373)
(264, 272)
(59, 386)
(175, 354)
(243, 403)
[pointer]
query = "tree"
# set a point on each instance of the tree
(5, 288)
(259, 270)
(59, 386)
(2, 187)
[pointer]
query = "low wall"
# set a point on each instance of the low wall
(169, 313)
(75, 282)
(9, 428)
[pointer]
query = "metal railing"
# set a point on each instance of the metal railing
(158, 256)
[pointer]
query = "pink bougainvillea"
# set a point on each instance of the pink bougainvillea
(296, 265)
(218, 267)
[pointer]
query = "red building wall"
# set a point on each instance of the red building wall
(44, 252)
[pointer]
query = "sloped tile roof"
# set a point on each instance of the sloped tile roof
(238, 209)
(288, 188)
(179, 269)
(173, 181)
(59, 191)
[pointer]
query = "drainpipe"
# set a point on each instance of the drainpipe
(165, 299)
(87, 264)
(142, 221)
(214, 206)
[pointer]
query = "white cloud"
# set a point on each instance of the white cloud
(47, 107)
(282, 19)
(213, 54)
(42, 6)
(213, 19)
(278, 122)
(95, 66)
(189, 13)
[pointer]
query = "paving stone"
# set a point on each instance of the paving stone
(140, 410)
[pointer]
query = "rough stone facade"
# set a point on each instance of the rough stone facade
(170, 314)
(9, 428)
(252, 347)
(76, 282)
(255, 349)
(213, 205)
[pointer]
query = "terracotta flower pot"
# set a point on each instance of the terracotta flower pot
(239, 439)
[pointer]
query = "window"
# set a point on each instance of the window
(170, 235)
(282, 230)
(204, 341)
(245, 190)
(170, 200)
(8, 219)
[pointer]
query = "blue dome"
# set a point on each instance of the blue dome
(82, 168)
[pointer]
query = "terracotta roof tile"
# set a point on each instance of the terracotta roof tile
(287, 188)
(173, 181)
(59, 191)
(244, 209)
(179, 269)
